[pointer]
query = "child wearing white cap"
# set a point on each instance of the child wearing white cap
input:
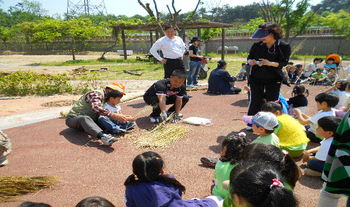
(264, 123)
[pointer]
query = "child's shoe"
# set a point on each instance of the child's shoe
(209, 162)
(3, 162)
(154, 119)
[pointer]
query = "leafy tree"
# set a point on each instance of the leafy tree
(339, 23)
(332, 6)
(26, 11)
(6, 35)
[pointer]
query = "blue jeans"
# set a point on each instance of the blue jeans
(315, 165)
(114, 126)
(195, 66)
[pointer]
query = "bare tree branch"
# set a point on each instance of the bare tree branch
(151, 14)
(155, 6)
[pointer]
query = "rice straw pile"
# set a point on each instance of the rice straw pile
(162, 135)
(13, 186)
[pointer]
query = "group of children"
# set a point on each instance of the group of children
(313, 74)
(94, 201)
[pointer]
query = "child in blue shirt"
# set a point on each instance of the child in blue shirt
(242, 72)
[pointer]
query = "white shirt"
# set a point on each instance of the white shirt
(171, 48)
(320, 114)
(343, 97)
(309, 69)
(115, 109)
(322, 153)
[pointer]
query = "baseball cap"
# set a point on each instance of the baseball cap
(117, 86)
(221, 63)
(260, 33)
(266, 120)
(195, 39)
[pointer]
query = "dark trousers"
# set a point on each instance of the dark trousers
(84, 123)
(171, 65)
(257, 94)
(154, 102)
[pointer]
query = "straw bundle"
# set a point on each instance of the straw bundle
(13, 186)
(162, 135)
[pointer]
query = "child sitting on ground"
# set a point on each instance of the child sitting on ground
(5, 148)
(259, 185)
(290, 132)
(299, 99)
(292, 74)
(149, 186)
(342, 90)
(332, 77)
(231, 148)
(242, 74)
(329, 64)
(268, 154)
(327, 126)
(311, 68)
(317, 78)
(112, 104)
(325, 103)
(264, 123)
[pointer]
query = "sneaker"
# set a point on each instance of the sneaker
(3, 162)
(209, 162)
(196, 84)
(154, 119)
(310, 172)
(131, 125)
(249, 128)
(120, 131)
(168, 113)
(108, 139)
(189, 86)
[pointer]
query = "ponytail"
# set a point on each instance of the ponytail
(147, 167)
(290, 171)
(279, 196)
(260, 185)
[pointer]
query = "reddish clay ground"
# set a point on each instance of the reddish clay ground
(50, 148)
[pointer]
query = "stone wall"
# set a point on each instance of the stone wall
(313, 45)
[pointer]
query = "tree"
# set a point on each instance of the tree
(332, 6)
(283, 14)
(6, 35)
(339, 23)
(173, 17)
(26, 11)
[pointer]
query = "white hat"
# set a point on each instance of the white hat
(266, 120)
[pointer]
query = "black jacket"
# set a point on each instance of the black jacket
(268, 73)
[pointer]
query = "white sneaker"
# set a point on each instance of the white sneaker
(108, 139)
(3, 162)
(190, 86)
(178, 115)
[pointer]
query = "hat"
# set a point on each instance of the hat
(266, 120)
(117, 86)
(195, 39)
(221, 63)
(261, 33)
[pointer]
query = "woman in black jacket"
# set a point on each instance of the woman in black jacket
(267, 58)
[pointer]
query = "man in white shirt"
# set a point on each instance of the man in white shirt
(173, 49)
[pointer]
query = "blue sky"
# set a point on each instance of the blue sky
(131, 7)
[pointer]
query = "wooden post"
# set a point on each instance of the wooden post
(157, 37)
(223, 44)
(151, 37)
(199, 31)
(124, 44)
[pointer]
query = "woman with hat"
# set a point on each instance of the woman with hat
(195, 62)
(267, 58)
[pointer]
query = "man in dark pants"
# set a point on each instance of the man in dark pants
(173, 49)
(165, 92)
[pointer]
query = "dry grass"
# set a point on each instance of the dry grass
(13, 186)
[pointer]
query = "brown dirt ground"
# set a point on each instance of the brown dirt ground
(50, 148)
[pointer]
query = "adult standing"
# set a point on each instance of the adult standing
(267, 58)
(173, 48)
(220, 80)
(195, 62)
(89, 107)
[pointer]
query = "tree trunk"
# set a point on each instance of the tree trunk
(73, 48)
